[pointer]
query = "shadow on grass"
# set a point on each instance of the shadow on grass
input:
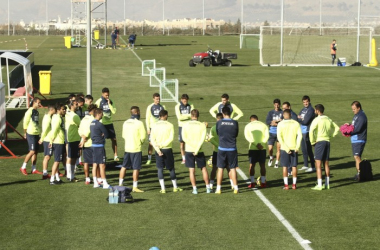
(164, 44)
(16, 182)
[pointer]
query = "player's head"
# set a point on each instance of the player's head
(194, 114)
(185, 99)
(88, 99)
(98, 113)
(80, 101)
(52, 109)
(156, 98)
(334, 41)
(306, 101)
(80, 95)
(163, 115)
(61, 109)
(71, 97)
(276, 104)
(286, 105)
(286, 114)
(219, 116)
(73, 105)
(135, 110)
(225, 98)
(36, 102)
(91, 108)
(226, 111)
(356, 107)
(106, 93)
(253, 118)
(319, 109)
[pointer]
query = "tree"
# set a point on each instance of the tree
(266, 23)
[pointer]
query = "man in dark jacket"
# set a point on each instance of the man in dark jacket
(305, 117)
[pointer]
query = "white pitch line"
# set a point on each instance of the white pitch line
(303, 242)
(42, 42)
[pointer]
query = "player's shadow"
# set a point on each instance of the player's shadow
(164, 44)
(16, 182)
(240, 65)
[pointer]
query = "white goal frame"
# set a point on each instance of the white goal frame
(2, 113)
(169, 90)
(147, 66)
(157, 75)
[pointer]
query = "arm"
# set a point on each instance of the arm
(214, 140)
(153, 140)
(336, 129)
(266, 134)
(181, 117)
(359, 126)
(248, 135)
(169, 137)
(280, 139)
(299, 138)
(45, 125)
(54, 128)
(201, 140)
(148, 114)
(309, 116)
(142, 133)
(27, 118)
(238, 112)
(112, 106)
(268, 120)
(214, 110)
(312, 136)
(103, 129)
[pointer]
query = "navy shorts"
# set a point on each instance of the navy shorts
(58, 152)
(322, 151)
(111, 131)
(357, 148)
(180, 134)
(288, 160)
(166, 160)
(73, 150)
(47, 151)
(272, 139)
(257, 156)
(132, 160)
(227, 159)
(190, 160)
(98, 155)
(33, 142)
(88, 156)
(214, 158)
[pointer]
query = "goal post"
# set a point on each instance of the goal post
(147, 66)
(169, 90)
(309, 46)
(249, 41)
(157, 76)
(2, 113)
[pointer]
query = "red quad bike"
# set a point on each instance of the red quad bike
(214, 58)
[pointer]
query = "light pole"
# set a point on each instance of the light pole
(320, 17)
(282, 32)
(242, 17)
(163, 17)
(358, 38)
(203, 25)
(47, 20)
(89, 66)
(124, 19)
(8, 18)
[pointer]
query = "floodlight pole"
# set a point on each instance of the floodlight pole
(163, 17)
(8, 19)
(203, 25)
(358, 37)
(282, 32)
(242, 17)
(320, 17)
(89, 66)
(124, 19)
(47, 19)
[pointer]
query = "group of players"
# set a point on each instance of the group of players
(81, 128)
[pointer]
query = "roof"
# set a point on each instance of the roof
(15, 57)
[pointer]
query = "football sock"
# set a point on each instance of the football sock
(68, 170)
(72, 171)
(218, 187)
(253, 179)
(294, 180)
(263, 179)
(77, 162)
(149, 157)
(286, 180)
(236, 187)
(100, 179)
(88, 179)
(33, 168)
(121, 182)
(24, 165)
(95, 181)
(174, 183)
(135, 184)
(51, 178)
(271, 157)
(232, 183)
(57, 177)
(319, 182)
(208, 186)
(45, 172)
(212, 183)
(183, 157)
(194, 187)
(327, 180)
(276, 162)
(162, 184)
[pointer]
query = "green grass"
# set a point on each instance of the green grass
(35, 215)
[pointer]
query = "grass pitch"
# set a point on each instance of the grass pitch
(36, 215)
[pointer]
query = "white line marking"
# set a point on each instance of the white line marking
(42, 42)
(371, 67)
(303, 242)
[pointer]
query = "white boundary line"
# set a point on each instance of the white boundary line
(42, 42)
(303, 242)
(370, 67)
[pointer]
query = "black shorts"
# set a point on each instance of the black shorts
(333, 56)
(227, 159)
(88, 156)
(257, 156)
(47, 151)
(132, 160)
(322, 151)
(111, 131)
(58, 152)
(180, 134)
(33, 142)
(214, 158)
(73, 150)
(190, 160)
(272, 139)
(166, 160)
(358, 148)
(99, 155)
(288, 160)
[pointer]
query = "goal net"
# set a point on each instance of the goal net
(157, 76)
(310, 46)
(169, 90)
(147, 66)
(249, 41)
(2, 113)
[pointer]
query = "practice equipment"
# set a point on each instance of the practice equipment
(169, 90)
(157, 76)
(147, 66)
(249, 41)
(365, 173)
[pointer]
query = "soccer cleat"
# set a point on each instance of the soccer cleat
(218, 191)
(87, 182)
(208, 190)
(55, 183)
(263, 185)
(23, 171)
(148, 162)
(195, 191)
(357, 177)
(44, 177)
(60, 181)
(270, 162)
(294, 186)
(304, 168)
(136, 190)
(97, 186)
(286, 187)
(252, 185)
(183, 162)
(325, 187)
(36, 172)
(73, 180)
(175, 190)
(236, 191)
(310, 170)
(116, 158)
(276, 165)
(61, 175)
(318, 188)
(162, 191)
(107, 186)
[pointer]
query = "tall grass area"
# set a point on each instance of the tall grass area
(35, 215)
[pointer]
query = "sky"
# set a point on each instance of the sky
(254, 10)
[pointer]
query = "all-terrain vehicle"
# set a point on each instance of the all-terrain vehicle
(214, 58)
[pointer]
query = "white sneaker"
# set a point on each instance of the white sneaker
(310, 170)
(183, 162)
(304, 168)
(276, 165)
(270, 162)
(106, 186)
